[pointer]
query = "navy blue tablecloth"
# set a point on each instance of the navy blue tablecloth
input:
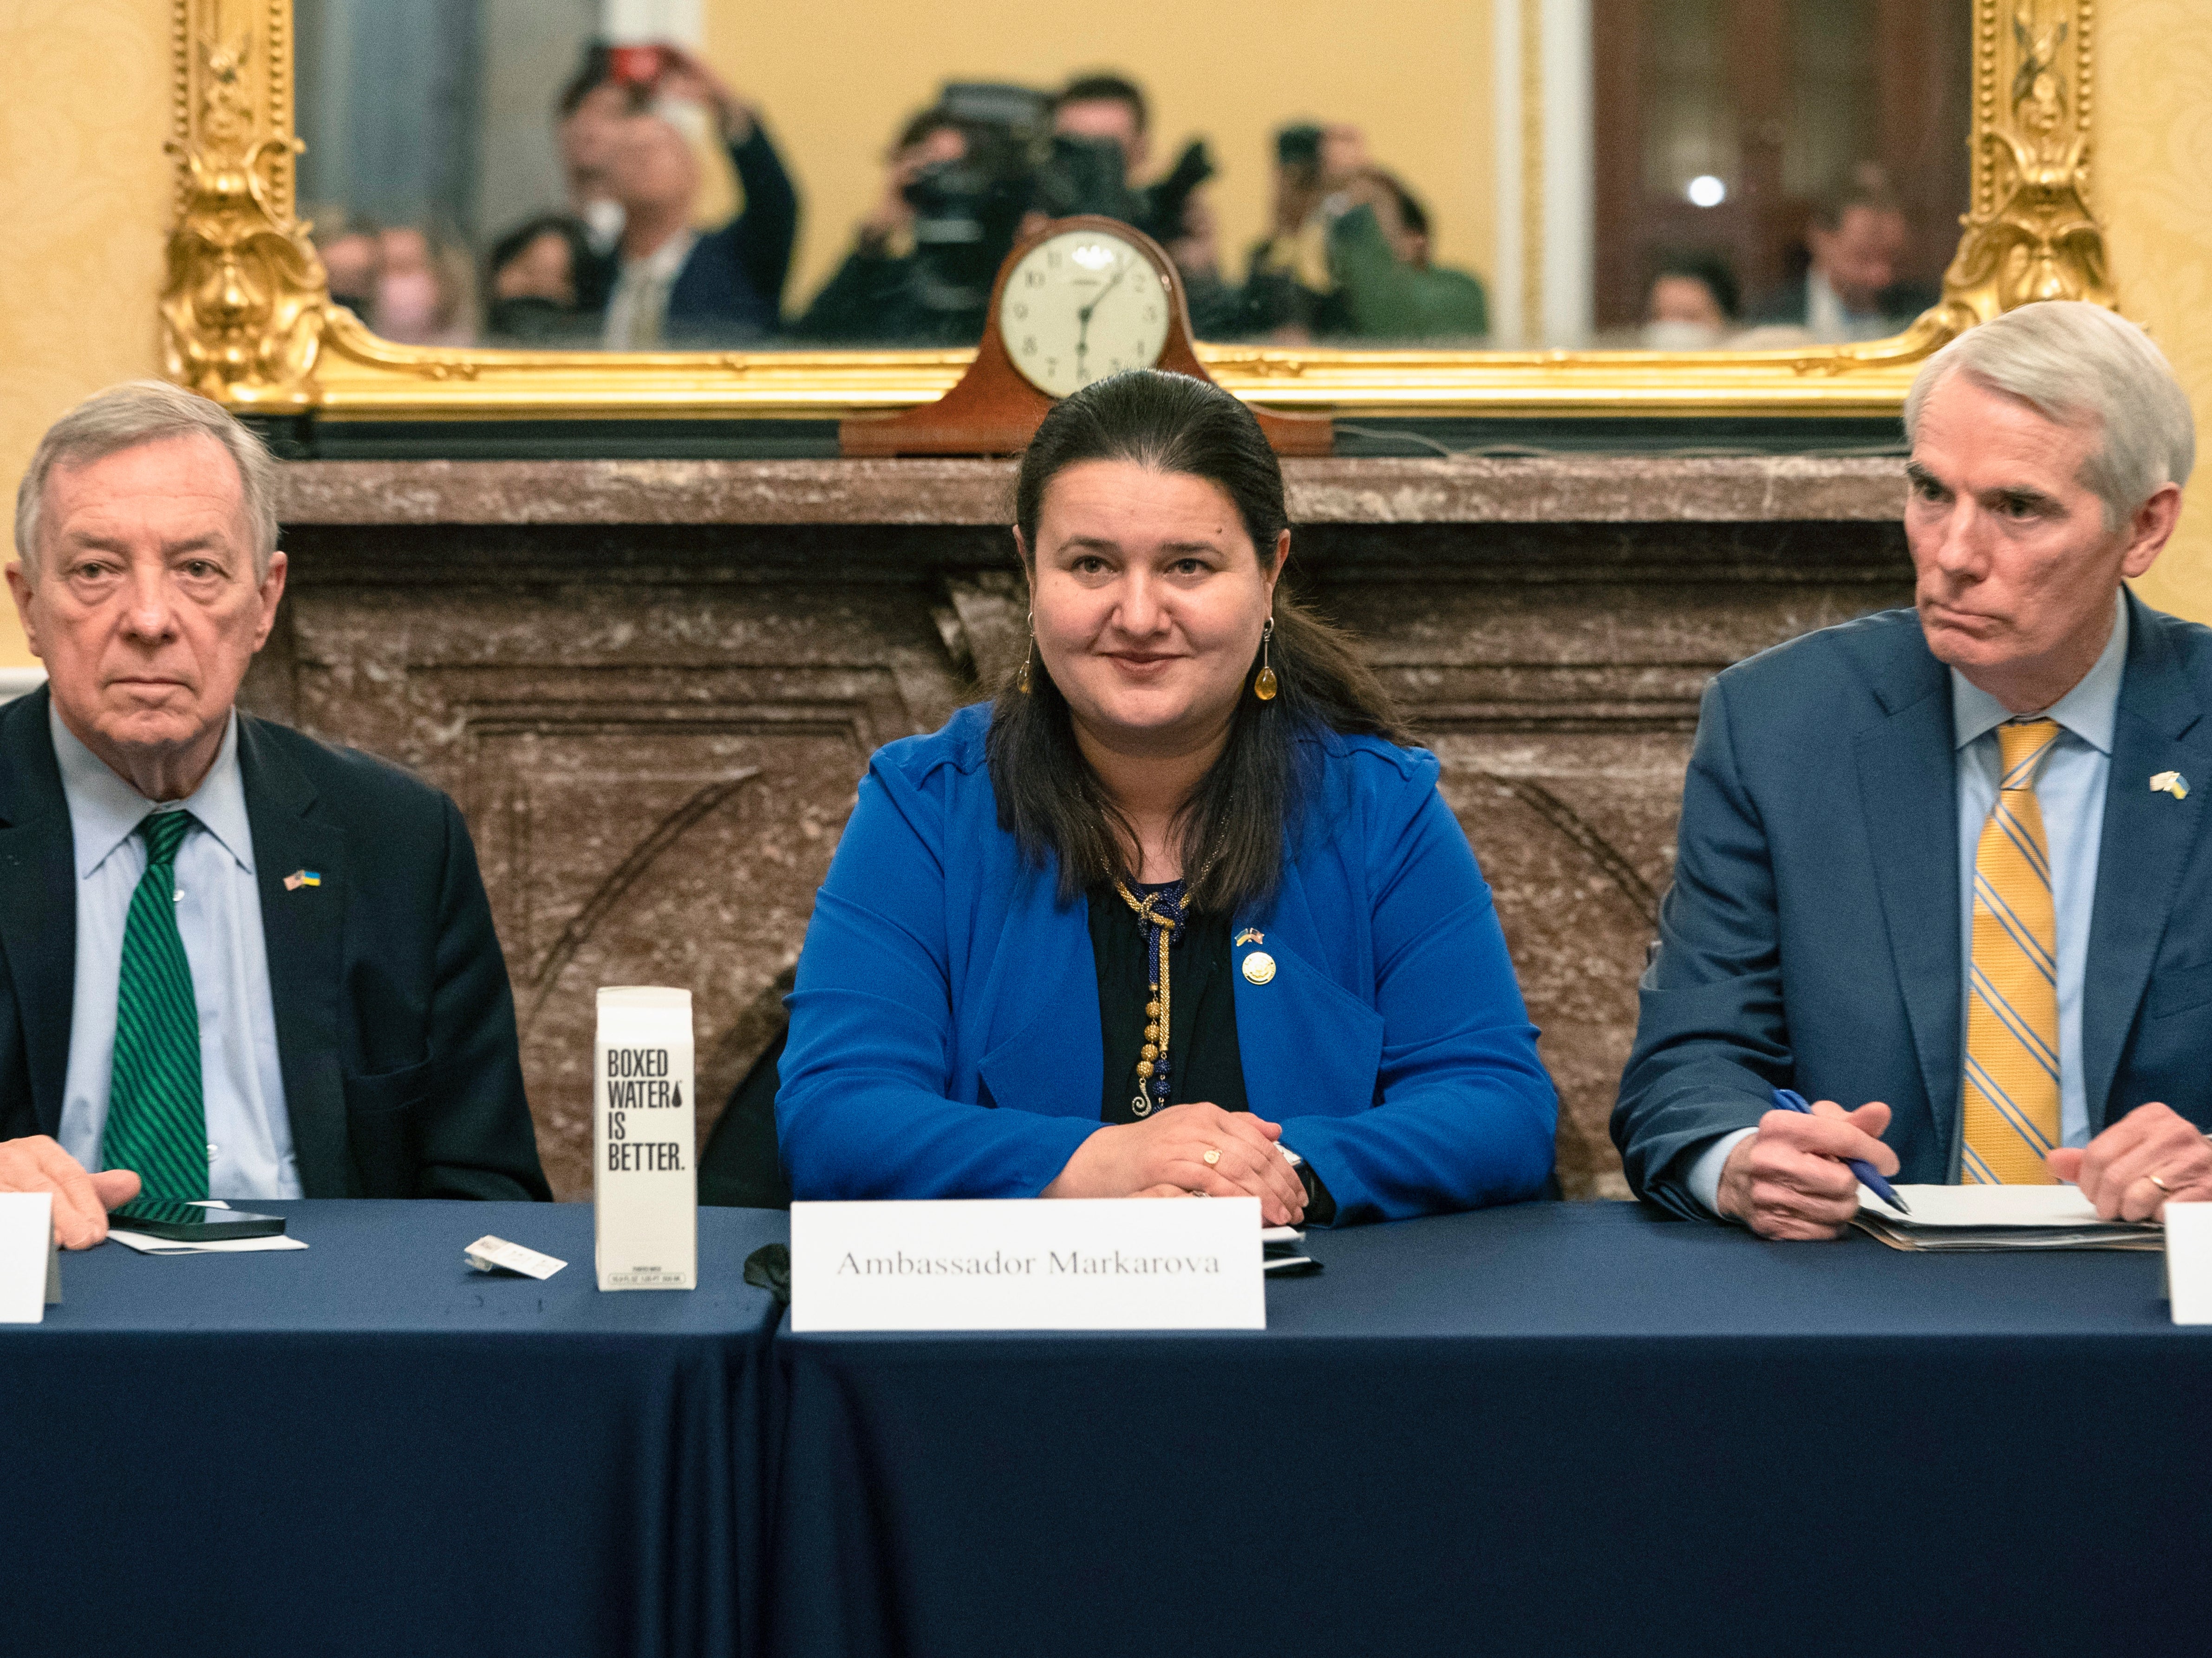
(1557, 1428)
(365, 1447)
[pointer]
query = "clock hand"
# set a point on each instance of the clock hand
(1084, 315)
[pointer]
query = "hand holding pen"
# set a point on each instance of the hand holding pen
(1793, 1177)
(1790, 1100)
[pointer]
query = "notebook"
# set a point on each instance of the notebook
(2000, 1218)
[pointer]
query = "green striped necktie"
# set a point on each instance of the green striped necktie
(156, 1121)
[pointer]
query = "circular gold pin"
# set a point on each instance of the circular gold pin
(1259, 967)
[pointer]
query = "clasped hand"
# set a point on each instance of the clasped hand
(1165, 1156)
(81, 1200)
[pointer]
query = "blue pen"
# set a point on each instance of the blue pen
(1790, 1100)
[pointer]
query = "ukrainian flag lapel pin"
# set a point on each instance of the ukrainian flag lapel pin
(301, 878)
(1249, 936)
(2170, 782)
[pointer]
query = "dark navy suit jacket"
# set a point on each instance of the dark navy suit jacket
(395, 1024)
(731, 287)
(943, 976)
(1812, 936)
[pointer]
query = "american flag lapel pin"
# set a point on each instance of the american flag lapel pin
(1248, 937)
(301, 878)
(2170, 782)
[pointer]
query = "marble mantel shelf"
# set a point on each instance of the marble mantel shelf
(1594, 490)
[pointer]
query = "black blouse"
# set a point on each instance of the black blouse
(1207, 1062)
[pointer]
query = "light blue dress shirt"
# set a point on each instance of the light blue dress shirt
(2070, 791)
(219, 918)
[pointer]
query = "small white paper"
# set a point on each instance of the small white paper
(491, 1254)
(1990, 1206)
(152, 1246)
(645, 1181)
(2189, 1261)
(1028, 1264)
(30, 1275)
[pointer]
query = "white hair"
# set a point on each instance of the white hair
(148, 412)
(2081, 365)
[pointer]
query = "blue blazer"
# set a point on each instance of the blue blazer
(944, 1039)
(1812, 935)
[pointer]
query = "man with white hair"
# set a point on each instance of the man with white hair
(1948, 867)
(234, 962)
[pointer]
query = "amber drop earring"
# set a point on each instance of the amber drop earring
(1028, 650)
(1263, 684)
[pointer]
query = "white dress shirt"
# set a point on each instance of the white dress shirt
(219, 918)
(1830, 323)
(2070, 791)
(637, 310)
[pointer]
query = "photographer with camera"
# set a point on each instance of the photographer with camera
(1101, 141)
(1349, 255)
(921, 266)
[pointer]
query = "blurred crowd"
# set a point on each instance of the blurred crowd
(1346, 256)
(624, 264)
(1850, 290)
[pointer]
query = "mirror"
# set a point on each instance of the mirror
(1745, 172)
(1583, 169)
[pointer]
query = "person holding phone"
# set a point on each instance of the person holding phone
(678, 286)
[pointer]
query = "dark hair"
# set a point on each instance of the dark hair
(1698, 265)
(594, 70)
(512, 245)
(1410, 210)
(935, 119)
(1106, 89)
(1867, 186)
(1232, 827)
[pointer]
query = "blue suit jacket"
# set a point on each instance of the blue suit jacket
(941, 979)
(1812, 935)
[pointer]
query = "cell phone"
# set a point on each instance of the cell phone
(180, 1221)
(637, 66)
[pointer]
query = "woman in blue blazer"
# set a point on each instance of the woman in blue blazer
(1178, 913)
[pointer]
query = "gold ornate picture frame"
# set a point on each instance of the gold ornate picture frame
(247, 317)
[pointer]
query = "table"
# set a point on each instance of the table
(1557, 1428)
(365, 1447)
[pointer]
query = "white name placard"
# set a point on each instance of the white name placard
(30, 1272)
(2189, 1261)
(1034, 1264)
(645, 1183)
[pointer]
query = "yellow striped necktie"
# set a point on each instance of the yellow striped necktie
(2011, 1093)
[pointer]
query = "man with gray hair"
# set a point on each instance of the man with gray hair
(234, 962)
(1946, 870)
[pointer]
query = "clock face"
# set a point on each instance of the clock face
(1080, 305)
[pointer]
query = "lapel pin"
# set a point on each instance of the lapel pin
(2170, 782)
(1259, 967)
(1248, 937)
(301, 878)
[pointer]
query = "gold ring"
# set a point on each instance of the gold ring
(2162, 1184)
(1213, 1157)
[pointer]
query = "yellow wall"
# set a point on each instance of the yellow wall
(1413, 74)
(2154, 164)
(84, 188)
(84, 199)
